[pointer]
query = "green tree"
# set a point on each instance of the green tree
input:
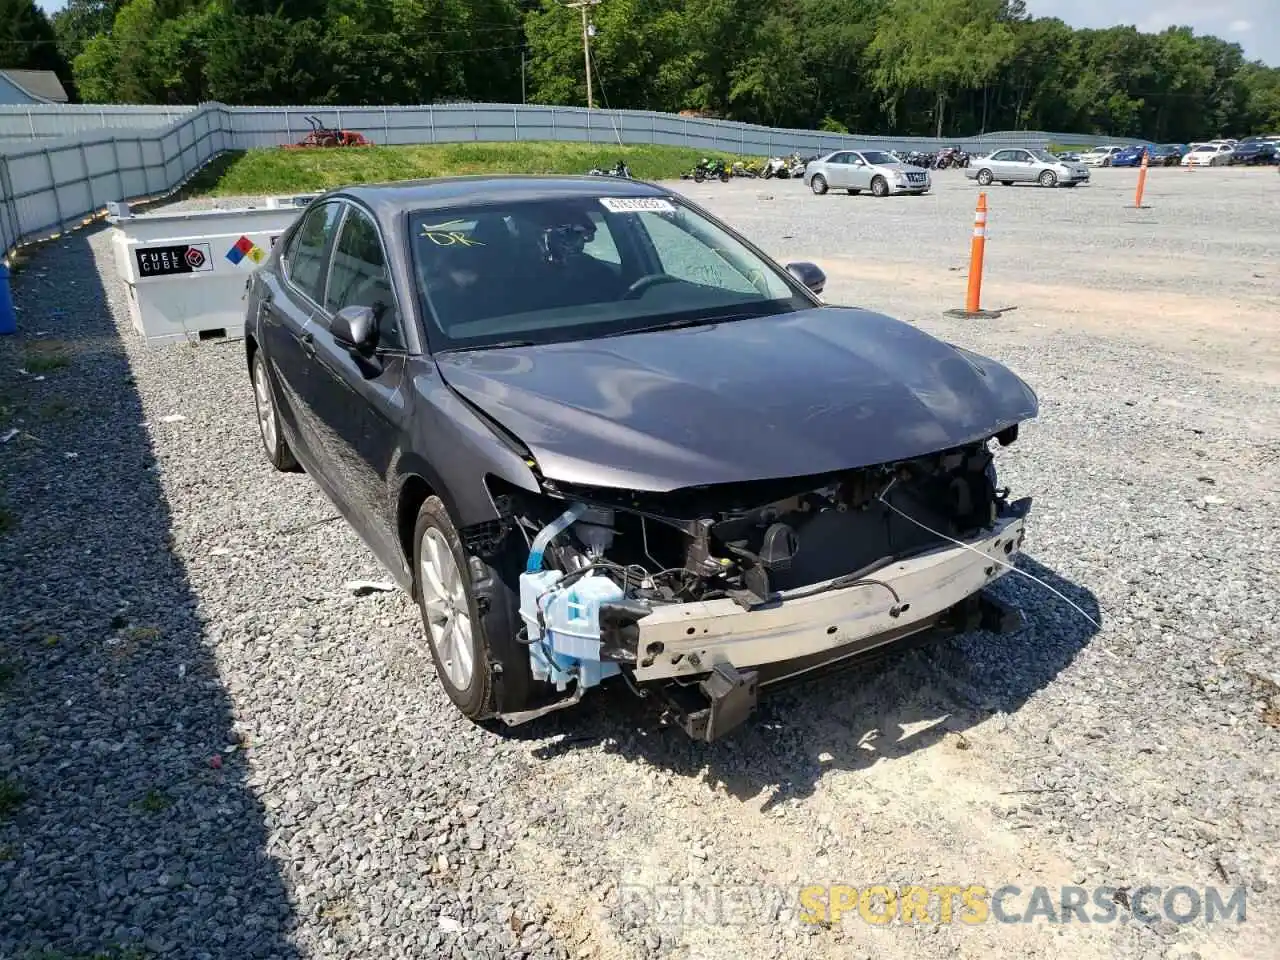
(940, 47)
(81, 20)
(267, 59)
(27, 40)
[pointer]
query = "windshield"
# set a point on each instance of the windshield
(572, 268)
(876, 157)
(1206, 149)
(1044, 156)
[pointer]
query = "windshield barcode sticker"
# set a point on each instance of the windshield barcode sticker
(637, 205)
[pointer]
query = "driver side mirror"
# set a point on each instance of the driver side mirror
(810, 274)
(356, 328)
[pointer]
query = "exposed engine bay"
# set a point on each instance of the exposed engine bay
(662, 586)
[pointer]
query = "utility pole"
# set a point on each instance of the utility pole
(587, 30)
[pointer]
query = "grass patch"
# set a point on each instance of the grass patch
(155, 801)
(10, 403)
(11, 797)
(57, 408)
(43, 356)
(273, 170)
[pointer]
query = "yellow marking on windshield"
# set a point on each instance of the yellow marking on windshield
(443, 237)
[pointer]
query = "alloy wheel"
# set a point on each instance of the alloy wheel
(448, 612)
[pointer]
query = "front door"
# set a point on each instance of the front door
(859, 172)
(1023, 166)
(288, 309)
(362, 403)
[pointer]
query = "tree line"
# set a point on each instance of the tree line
(907, 67)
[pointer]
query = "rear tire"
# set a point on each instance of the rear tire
(818, 184)
(264, 401)
(470, 615)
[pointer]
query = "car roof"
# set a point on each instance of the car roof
(388, 199)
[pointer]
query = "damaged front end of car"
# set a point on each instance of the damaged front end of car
(702, 595)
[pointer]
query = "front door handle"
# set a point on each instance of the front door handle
(308, 344)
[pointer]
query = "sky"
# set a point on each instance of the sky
(1254, 24)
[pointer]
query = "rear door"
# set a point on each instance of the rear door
(838, 170)
(287, 311)
(999, 164)
(361, 404)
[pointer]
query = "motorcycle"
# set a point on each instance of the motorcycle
(620, 169)
(776, 167)
(950, 157)
(797, 166)
(748, 170)
(708, 169)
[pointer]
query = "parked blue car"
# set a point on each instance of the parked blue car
(1130, 156)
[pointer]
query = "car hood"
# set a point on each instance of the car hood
(897, 168)
(812, 392)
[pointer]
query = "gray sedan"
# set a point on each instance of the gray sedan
(1027, 166)
(857, 170)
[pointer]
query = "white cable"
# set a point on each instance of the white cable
(1006, 565)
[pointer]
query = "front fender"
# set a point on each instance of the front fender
(454, 448)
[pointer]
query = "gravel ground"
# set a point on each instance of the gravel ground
(209, 748)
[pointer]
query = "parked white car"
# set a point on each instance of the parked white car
(1100, 156)
(1208, 155)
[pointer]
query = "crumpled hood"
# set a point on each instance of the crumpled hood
(818, 391)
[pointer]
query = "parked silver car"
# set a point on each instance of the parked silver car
(1027, 166)
(856, 170)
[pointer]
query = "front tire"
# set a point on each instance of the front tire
(470, 613)
(264, 401)
(1048, 179)
(818, 184)
(985, 178)
(880, 187)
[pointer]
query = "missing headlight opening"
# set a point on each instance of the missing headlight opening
(658, 587)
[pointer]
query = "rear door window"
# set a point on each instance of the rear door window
(306, 258)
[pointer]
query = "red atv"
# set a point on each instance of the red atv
(322, 136)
